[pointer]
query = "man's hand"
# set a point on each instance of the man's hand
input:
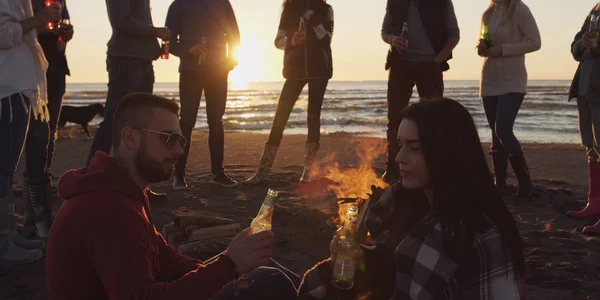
(162, 33)
(249, 252)
(49, 14)
(198, 50)
(400, 43)
(493, 52)
(299, 39)
(66, 32)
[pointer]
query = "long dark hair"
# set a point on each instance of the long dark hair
(463, 188)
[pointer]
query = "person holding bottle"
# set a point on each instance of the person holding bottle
(512, 33)
(586, 89)
(305, 33)
(23, 97)
(443, 226)
(205, 38)
(421, 35)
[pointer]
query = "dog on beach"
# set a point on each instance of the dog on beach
(81, 115)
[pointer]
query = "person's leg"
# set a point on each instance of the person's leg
(216, 102)
(499, 156)
(593, 208)
(430, 80)
(316, 94)
(508, 108)
(400, 88)
(14, 122)
(190, 93)
(264, 283)
(289, 95)
(125, 75)
(56, 91)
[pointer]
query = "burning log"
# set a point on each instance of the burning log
(196, 233)
(205, 248)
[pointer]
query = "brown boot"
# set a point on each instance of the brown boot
(265, 164)
(309, 160)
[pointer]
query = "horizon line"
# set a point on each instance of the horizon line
(281, 81)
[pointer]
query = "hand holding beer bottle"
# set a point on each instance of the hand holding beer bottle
(299, 37)
(49, 16)
(484, 40)
(345, 252)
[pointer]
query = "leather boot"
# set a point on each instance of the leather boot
(309, 161)
(40, 196)
(592, 230)
(519, 165)
(15, 237)
(500, 165)
(264, 166)
(28, 229)
(592, 209)
(9, 252)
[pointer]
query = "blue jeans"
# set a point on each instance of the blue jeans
(270, 282)
(14, 122)
(589, 124)
(126, 75)
(501, 112)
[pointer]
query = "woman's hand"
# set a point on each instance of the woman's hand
(299, 38)
(493, 52)
(334, 247)
(482, 45)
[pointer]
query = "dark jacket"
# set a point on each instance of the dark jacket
(57, 61)
(190, 20)
(103, 245)
(313, 59)
(594, 86)
(433, 15)
(131, 24)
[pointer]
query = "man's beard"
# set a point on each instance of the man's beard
(151, 169)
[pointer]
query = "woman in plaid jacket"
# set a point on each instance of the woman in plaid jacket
(443, 232)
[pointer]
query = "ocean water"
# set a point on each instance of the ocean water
(360, 108)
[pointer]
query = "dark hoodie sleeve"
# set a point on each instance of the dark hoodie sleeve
(233, 31)
(173, 265)
(125, 259)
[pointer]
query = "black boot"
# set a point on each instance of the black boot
(500, 165)
(519, 165)
(40, 196)
(28, 230)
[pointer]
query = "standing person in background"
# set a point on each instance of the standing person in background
(305, 33)
(422, 35)
(131, 50)
(586, 89)
(39, 146)
(513, 33)
(204, 33)
(23, 94)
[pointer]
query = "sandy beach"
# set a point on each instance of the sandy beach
(563, 263)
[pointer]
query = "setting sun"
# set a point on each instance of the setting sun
(252, 59)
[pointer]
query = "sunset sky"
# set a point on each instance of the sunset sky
(359, 53)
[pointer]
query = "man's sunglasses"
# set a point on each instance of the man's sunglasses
(172, 138)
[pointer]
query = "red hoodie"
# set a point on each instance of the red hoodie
(102, 244)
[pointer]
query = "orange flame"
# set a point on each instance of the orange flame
(355, 182)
